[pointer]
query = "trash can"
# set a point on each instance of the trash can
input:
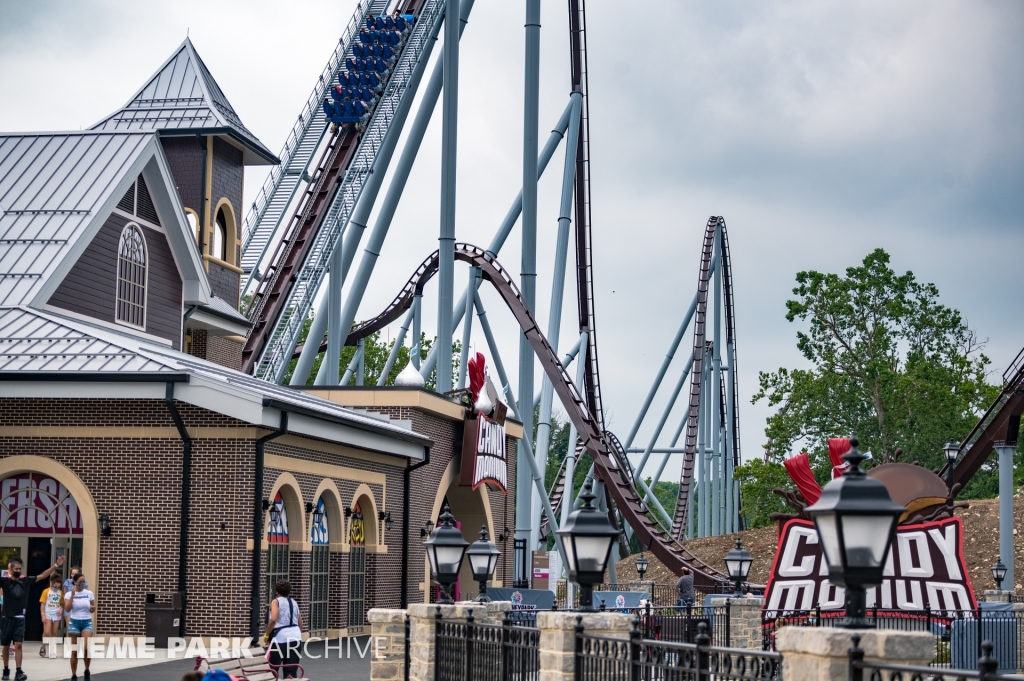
(163, 617)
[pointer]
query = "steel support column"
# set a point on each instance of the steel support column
(449, 163)
(1006, 488)
(558, 288)
(528, 269)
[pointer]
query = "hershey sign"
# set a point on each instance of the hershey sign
(484, 458)
(925, 568)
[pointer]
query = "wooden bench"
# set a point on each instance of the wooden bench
(255, 668)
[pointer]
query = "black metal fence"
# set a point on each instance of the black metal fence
(988, 668)
(958, 634)
(680, 624)
(661, 594)
(600, 658)
(472, 651)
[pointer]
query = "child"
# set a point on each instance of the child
(51, 609)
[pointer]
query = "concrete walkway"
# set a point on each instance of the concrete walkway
(345, 664)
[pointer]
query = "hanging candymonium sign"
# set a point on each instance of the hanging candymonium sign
(925, 570)
(484, 458)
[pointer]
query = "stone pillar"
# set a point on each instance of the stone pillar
(387, 644)
(744, 622)
(422, 619)
(994, 596)
(558, 638)
(823, 654)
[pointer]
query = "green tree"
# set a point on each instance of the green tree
(377, 352)
(757, 479)
(888, 362)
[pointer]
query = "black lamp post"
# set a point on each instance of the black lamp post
(445, 550)
(483, 557)
(318, 515)
(856, 520)
(999, 573)
(951, 450)
(737, 564)
(106, 531)
(275, 513)
(641, 566)
(587, 538)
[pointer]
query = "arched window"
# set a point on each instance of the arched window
(218, 248)
(131, 277)
(319, 570)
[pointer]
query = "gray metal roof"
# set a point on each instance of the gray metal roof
(38, 342)
(183, 96)
(30, 341)
(222, 308)
(51, 186)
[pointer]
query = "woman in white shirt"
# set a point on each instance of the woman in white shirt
(284, 632)
(80, 603)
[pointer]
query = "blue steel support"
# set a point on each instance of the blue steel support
(525, 526)
(467, 329)
(661, 371)
(1006, 488)
(506, 225)
(351, 369)
(417, 304)
(485, 326)
(449, 162)
(330, 366)
(558, 287)
(664, 416)
(570, 456)
(361, 366)
(399, 342)
(387, 210)
(716, 397)
(702, 451)
(727, 449)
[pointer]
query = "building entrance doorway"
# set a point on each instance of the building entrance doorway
(39, 521)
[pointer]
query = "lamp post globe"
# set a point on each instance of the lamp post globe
(483, 557)
(999, 573)
(856, 521)
(642, 565)
(587, 538)
(951, 449)
(445, 550)
(737, 564)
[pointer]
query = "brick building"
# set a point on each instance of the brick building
(130, 442)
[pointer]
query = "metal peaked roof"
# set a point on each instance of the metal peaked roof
(36, 343)
(182, 96)
(51, 187)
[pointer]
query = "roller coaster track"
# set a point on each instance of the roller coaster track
(700, 355)
(1000, 423)
(285, 295)
(605, 449)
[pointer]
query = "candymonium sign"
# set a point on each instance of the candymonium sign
(925, 569)
(484, 458)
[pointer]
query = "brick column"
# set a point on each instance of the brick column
(387, 644)
(558, 639)
(823, 654)
(422, 621)
(744, 621)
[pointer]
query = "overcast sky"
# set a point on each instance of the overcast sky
(820, 131)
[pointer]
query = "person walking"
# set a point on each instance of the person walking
(12, 617)
(69, 585)
(51, 608)
(284, 632)
(80, 604)
(684, 588)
